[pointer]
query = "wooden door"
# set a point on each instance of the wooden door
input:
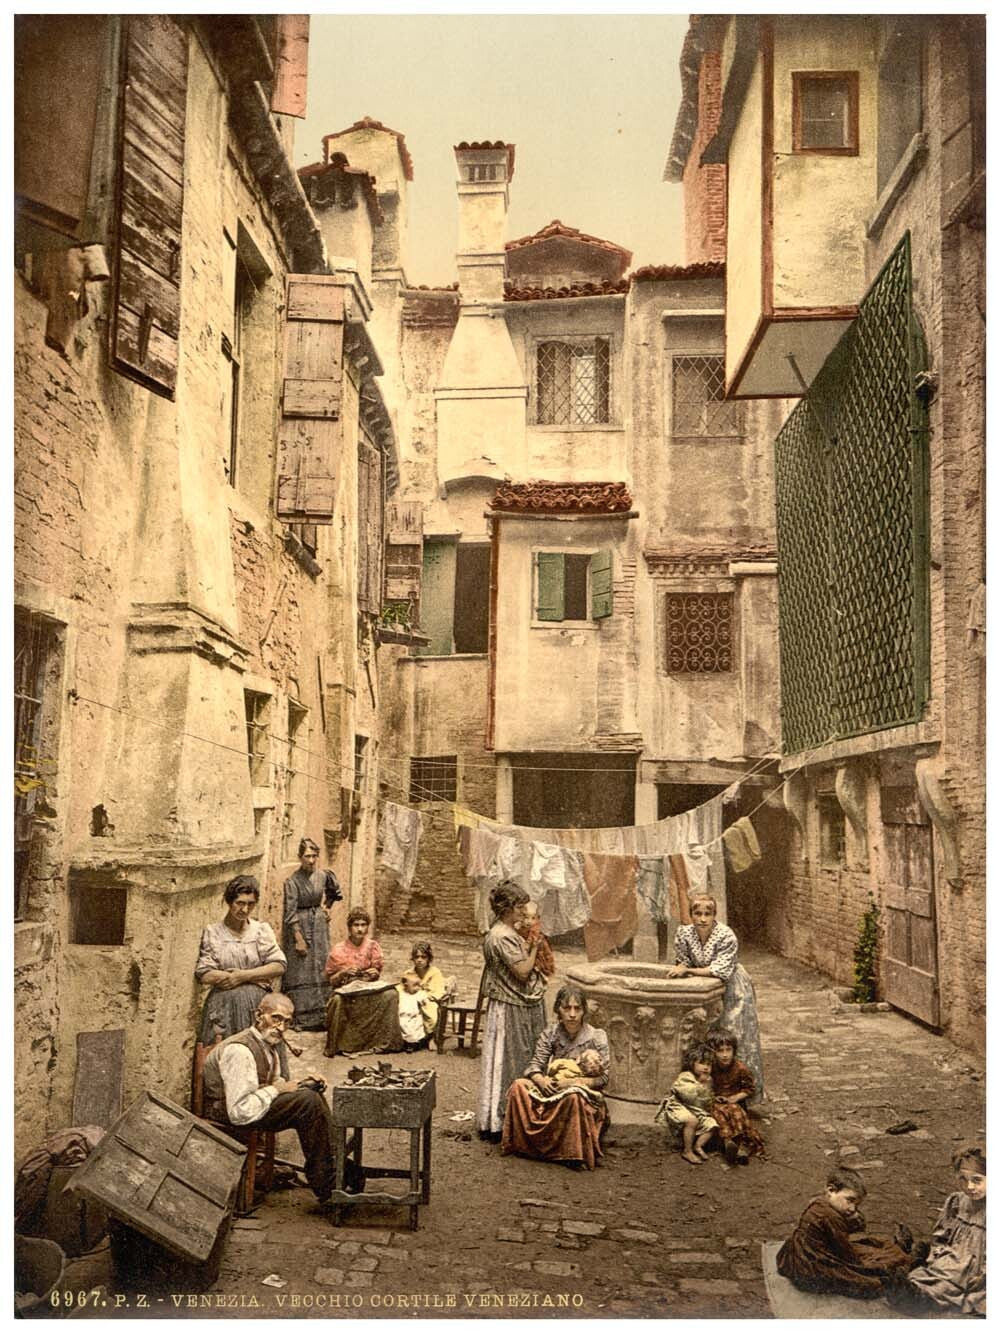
(910, 964)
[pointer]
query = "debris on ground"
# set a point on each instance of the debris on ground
(904, 1127)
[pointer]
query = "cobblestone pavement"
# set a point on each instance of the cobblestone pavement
(645, 1235)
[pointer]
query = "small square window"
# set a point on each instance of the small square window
(434, 778)
(825, 112)
(97, 911)
(698, 398)
(573, 382)
(699, 633)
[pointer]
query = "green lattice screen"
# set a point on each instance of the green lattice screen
(851, 484)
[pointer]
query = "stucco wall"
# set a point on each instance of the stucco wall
(822, 200)
(744, 226)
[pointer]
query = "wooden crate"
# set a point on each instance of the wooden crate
(167, 1174)
(383, 1108)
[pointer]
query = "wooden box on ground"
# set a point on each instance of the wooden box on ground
(170, 1177)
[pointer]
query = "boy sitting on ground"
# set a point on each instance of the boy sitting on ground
(821, 1256)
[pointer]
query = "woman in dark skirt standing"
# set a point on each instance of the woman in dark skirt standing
(307, 937)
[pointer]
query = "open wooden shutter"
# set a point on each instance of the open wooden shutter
(551, 604)
(288, 90)
(145, 323)
(309, 436)
(600, 585)
(404, 522)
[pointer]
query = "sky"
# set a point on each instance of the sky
(589, 101)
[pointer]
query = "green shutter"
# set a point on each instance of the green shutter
(551, 603)
(600, 585)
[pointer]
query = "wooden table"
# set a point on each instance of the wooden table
(391, 1107)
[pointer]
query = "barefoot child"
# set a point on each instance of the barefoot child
(821, 1256)
(418, 1012)
(733, 1085)
(952, 1278)
(686, 1111)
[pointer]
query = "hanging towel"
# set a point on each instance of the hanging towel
(399, 836)
(738, 856)
(677, 890)
(750, 835)
(482, 844)
(566, 906)
(654, 875)
(614, 910)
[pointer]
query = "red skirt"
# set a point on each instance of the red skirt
(565, 1129)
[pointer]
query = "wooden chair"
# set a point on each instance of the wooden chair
(454, 1020)
(258, 1141)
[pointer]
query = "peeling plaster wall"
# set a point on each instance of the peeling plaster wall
(160, 577)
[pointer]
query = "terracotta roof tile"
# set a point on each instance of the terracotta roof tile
(338, 168)
(555, 497)
(369, 123)
(485, 143)
(670, 272)
(559, 230)
(513, 293)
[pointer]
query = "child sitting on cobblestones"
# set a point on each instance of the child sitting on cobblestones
(951, 1277)
(686, 1111)
(733, 1085)
(820, 1255)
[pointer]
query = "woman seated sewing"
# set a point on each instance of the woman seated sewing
(556, 1112)
(362, 1014)
(239, 960)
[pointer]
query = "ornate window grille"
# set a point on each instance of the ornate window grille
(851, 492)
(699, 632)
(434, 778)
(700, 407)
(574, 382)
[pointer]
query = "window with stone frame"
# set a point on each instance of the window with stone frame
(831, 828)
(699, 407)
(258, 710)
(433, 778)
(37, 667)
(825, 112)
(699, 633)
(573, 382)
(296, 766)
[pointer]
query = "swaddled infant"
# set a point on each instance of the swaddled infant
(565, 1072)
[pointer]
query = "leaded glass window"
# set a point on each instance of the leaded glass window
(574, 382)
(700, 407)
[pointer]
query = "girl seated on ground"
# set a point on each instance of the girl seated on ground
(687, 1109)
(951, 1279)
(733, 1086)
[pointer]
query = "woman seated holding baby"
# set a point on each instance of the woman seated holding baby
(556, 1112)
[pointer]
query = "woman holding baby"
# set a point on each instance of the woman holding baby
(556, 1112)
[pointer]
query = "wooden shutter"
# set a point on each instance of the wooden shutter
(551, 603)
(145, 323)
(288, 91)
(309, 436)
(600, 585)
(404, 522)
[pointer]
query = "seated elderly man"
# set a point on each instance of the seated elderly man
(242, 1088)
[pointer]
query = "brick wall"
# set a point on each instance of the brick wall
(705, 187)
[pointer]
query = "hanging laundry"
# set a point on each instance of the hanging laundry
(697, 863)
(482, 849)
(742, 847)
(563, 906)
(678, 890)
(614, 912)
(654, 876)
(399, 839)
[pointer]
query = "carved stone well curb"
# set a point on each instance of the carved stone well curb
(650, 1019)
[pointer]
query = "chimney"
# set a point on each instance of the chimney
(481, 392)
(484, 172)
